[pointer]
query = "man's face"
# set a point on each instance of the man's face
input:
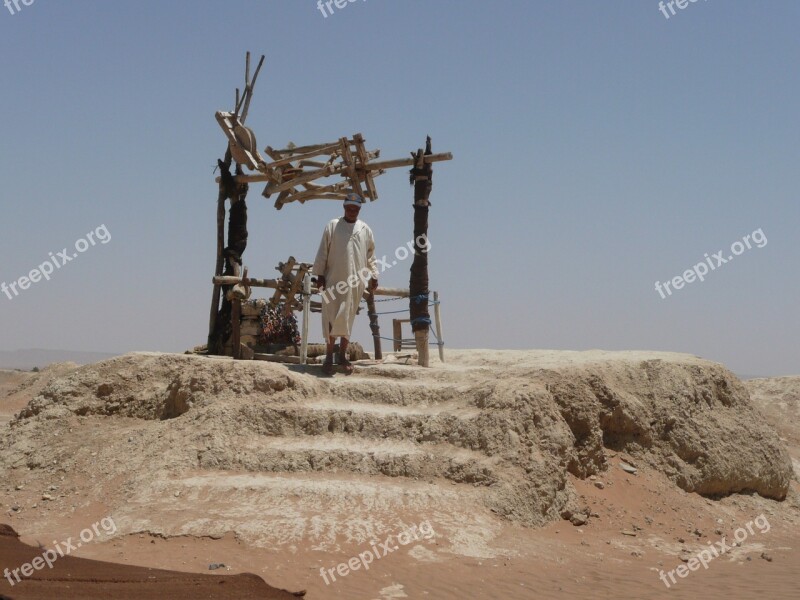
(351, 212)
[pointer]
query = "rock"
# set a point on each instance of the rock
(215, 566)
(578, 519)
(628, 468)
(19, 487)
(628, 533)
(637, 553)
(599, 485)
(766, 557)
(47, 497)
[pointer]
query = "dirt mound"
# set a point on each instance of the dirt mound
(278, 454)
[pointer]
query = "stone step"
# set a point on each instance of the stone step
(398, 391)
(325, 511)
(452, 422)
(364, 456)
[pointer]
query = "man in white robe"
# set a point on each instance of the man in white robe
(345, 262)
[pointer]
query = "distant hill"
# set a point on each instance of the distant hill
(37, 357)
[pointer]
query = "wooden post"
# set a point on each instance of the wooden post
(217, 270)
(236, 320)
(437, 315)
(306, 314)
(374, 326)
(421, 177)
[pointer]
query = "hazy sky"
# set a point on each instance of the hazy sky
(599, 147)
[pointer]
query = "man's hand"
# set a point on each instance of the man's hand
(321, 282)
(373, 284)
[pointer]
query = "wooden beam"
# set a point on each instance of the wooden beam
(408, 162)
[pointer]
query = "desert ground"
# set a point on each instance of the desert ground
(500, 474)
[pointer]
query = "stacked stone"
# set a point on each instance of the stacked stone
(251, 329)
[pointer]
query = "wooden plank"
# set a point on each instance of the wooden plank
(302, 156)
(349, 167)
(408, 162)
(361, 151)
(286, 272)
(304, 149)
(310, 176)
(297, 283)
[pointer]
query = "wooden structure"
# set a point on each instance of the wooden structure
(327, 171)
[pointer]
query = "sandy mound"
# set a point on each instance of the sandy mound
(178, 445)
(778, 399)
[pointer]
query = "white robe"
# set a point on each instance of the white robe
(346, 258)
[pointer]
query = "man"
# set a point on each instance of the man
(345, 261)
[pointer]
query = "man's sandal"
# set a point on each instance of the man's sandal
(346, 365)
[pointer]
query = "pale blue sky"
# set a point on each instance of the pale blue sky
(598, 147)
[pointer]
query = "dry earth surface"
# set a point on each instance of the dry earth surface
(528, 474)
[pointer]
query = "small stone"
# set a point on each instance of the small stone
(628, 468)
(749, 558)
(599, 485)
(718, 531)
(592, 477)
(766, 557)
(698, 533)
(47, 497)
(578, 519)
(19, 487)
(681, 540)
(628, 533)
(15, 508)
(637, 554)
(648, 520)
(215, 566)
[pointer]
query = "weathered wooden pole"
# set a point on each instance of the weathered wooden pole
(213, 342)
(422, 178)
(373, 325)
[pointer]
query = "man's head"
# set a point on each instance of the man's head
(352, 206)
